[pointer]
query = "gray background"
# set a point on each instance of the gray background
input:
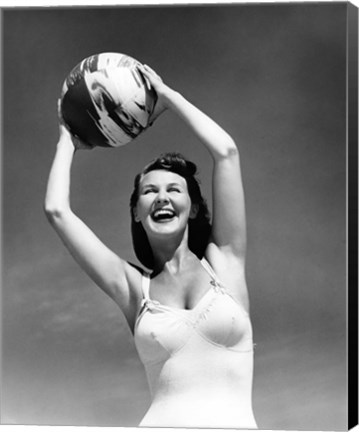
(273, 75)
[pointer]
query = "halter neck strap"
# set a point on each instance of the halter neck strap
(146, 285)
(207, 266)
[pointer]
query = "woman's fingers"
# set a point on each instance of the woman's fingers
(80, 145)
(149, 73)
(149, 69)
(144, 76)
(66, 134)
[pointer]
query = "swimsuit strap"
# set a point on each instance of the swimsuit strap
(146, 285)
(207, 266)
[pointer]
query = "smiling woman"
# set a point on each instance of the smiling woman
(183, 173)
(163, 198)
(189, 309)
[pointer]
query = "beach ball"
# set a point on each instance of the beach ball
(105, 101)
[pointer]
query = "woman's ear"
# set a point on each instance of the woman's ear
(194, 211)
(135, 215)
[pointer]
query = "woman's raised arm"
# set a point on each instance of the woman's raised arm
(229, 225)
(111, 273)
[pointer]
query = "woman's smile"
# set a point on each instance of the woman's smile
(162, 215)
(163, 200)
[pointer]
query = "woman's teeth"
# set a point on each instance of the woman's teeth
(163, 214)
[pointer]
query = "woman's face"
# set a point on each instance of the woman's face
(164, 205)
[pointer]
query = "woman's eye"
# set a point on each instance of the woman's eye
(147, 191)
(173, 189)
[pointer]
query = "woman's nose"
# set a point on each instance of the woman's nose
(162, 197)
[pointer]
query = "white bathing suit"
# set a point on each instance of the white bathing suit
(199, 362)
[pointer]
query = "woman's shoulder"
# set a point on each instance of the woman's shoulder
(130, 296)
(230, 272)
(224, 260)
(126, 286)
(135, 274)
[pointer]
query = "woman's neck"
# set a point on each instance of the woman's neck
(171, 254)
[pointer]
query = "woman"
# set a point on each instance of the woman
(190, 313)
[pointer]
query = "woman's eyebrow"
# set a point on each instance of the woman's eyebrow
(148, 185)
(151, 185)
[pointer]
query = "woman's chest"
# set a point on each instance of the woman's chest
(185, 289)
(182, 291)
(217, 319)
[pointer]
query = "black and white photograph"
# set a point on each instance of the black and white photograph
(175, 215)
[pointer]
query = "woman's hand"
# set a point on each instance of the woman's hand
(162, 90)
(66, 135)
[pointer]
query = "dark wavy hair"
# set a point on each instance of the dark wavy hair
(199, 228)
